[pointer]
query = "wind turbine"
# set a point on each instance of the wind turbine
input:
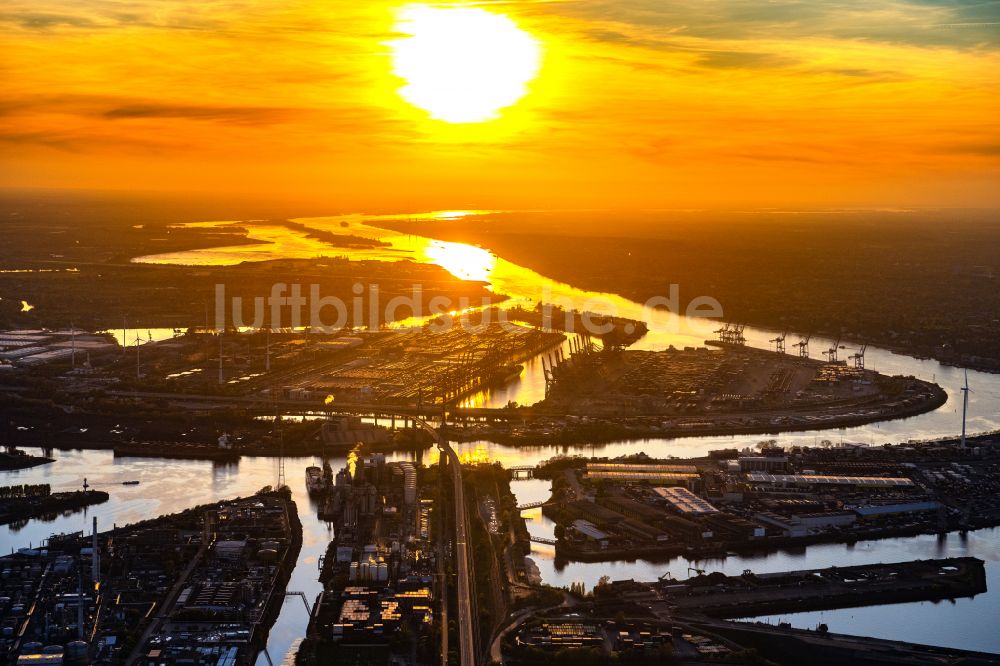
(220, 358)
(138, 341)
(965, 404)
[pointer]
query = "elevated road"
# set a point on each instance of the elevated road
(268, 404)
(466, 624)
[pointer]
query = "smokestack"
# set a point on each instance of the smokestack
(96, 559)
(79, 601)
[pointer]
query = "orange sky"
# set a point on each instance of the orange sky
(638, 104)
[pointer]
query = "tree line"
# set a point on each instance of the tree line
(25, 490)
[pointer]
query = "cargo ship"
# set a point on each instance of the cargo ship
(314, 480)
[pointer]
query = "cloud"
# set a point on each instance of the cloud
(43, 20)
(986, 149)
(88, 142)
(744, 60)
(248, 115)
(109, 107)
(924, 23)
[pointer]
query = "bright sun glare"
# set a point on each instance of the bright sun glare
(466, 262)
(462, 64)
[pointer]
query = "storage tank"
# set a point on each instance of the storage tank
(76, 654)
(267, 555)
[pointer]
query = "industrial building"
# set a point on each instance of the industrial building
(879, 510)
(645, 467)
(763, 463)
(685, 502)
(672, 478)
(561, 635)
(589, 531)
(27, 348)
(806, 523)
(820, 480)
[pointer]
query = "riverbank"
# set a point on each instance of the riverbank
(279, 587)
(656, 553)
(559, 429)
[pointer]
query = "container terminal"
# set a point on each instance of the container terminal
(237, 384)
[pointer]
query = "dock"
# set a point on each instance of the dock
(749, 594)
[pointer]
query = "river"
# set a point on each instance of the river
(170, 485)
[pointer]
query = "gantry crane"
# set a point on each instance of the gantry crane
(831, 353)
(803, 346)
(859, 357)
(738, 337)
(779, 343)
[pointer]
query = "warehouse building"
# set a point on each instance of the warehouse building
(685, 502)
(820, 480)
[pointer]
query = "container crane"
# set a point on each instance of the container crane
(859, 357)
(738, 337)
(779, 343)
(831, 353)
(803, 346)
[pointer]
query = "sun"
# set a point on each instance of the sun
(463, 64)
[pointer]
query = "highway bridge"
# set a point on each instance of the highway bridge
(267, 404)
(466, 622)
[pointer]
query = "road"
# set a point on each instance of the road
(357, 408)
(466, 623)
